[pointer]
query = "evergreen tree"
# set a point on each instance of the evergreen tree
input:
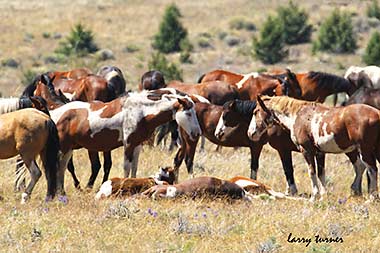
(171, 31)
(336, 34)
(80, 42)
(170, 70)
(373, 10)
(270, 48)
(372, 52)
(296, 28)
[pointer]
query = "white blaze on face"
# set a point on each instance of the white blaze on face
(245, 78)
(325, 141)
(105, 190)
(111, 74)
(171, 192)
(252, 126)
(187, 119)
(69, 96)
(220, 128)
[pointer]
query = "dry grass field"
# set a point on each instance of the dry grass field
(143, 225)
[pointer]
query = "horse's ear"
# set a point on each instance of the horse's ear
(182, 102)
(52, 79)
(262, 105)
(232, 105)
(44, 78)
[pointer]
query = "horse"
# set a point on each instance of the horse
(200, 187)
(13, 104)
(316, 128)
(29, 133)
(126, 121)
(130, 186)
(227, 126)
(114, 77)
(71, 74)
(252, 84)
(152, 80)
(373, 73)
(86, 91)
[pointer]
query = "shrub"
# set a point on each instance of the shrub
(28, 76)
(170, 70)
(373, 10)
(294, 19)
(171, 31)
(270, 48)
(80, 42)
(336, 34)
(372, 52)
(239, 23)
(186, 48)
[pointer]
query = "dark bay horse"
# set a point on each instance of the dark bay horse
(152, 80)
(114, 77)
(126, 121)
(31, 133)
(236, 115)
(315, 128)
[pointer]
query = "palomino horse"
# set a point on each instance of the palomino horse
(30, 133)
(252, 84)
(354, 130)
(152, 80)
(127, 120)
(373, 73)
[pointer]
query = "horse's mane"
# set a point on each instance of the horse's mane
(285, 104)
(326, 80)
(9, 105)
(243, 107)
(29, 90)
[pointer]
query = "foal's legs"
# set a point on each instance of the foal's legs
(310, 159)
(287, 165)
(107, 165)
(135, 160)
(35, 174)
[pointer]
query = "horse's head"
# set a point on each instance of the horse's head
(53, 99)
(39, 103)
(291, 81)
(230, 117)
(359, 79)
(165, 174)
(114, 77)
(186, 117)
(152, 80)
(262, 119)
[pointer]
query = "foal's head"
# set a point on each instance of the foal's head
(165, 174)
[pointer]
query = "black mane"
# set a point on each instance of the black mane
(243, 107)
(330, 81)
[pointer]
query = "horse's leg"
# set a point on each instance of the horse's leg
(107, 165)
(359, 167)
(310, 159)
(20, 175)
(287, 165)
(370, 162)
(128, 158)
(173, 128)
(203, 142)
(63, 161)
(178, 159)
(320, 159)
(189, 155)
(255, 156)
(35, 174)
(71, 168)
(135, 160)
(95, 167)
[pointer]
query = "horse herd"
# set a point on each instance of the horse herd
(79, 109)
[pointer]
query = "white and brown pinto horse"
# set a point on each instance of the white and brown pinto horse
(31, 133)
(314, 128)
(373, 72)
(126, 121)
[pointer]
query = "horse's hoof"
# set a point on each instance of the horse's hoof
(24, 197)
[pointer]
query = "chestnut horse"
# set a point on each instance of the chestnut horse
(253, 84)
(29, 133)
(127, 120)
(227, 126)
(354, 130)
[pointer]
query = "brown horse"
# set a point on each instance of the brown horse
(227, 126)
(152, 80)
(253, 84)
(127, 120)
(30, 133)
(354, 130)
(130, 186)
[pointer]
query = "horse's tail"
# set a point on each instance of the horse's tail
(50, 160)
(201, 78)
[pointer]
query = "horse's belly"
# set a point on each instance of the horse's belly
(328, 144)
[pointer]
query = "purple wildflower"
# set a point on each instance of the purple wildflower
(45, 210)
(204, 215)
(150, 211)
(63, 199)
(154, 214)
(342, 201)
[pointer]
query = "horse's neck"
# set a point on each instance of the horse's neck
(9, 105)
(287, 121)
